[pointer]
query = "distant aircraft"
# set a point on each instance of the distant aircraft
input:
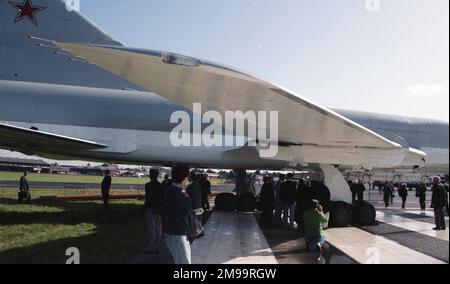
(69, 91)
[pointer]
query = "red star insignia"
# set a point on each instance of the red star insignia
(26, 11)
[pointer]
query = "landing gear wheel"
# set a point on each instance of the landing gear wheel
(340, 214)
(247, 203)
(364, 214)
(226, 202)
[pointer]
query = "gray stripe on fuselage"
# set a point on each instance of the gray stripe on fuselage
(417, 132)
(89, 107)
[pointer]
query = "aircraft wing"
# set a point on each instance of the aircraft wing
(186, 80)
(27, 138)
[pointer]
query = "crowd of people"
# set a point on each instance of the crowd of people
(388, 189)
(174, 209)
(302, 205)
(284, 201)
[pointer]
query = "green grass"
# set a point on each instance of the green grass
(42, 231)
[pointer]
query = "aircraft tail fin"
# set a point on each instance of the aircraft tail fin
(28, 29)
(56, 20)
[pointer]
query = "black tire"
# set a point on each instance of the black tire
(247, 203)
(226, 202)
(340, 214)
(364, 214)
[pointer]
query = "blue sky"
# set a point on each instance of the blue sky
(334, 52)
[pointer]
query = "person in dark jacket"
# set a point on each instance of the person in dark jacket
(388, 192)
(177, 212)
(106, 187)
(446, 190)
(206, 191)
(24, 188)
(154, 200)
(353, 189)
(278, 200)
(167, 181)
(360, 189)
(403, 193)
(304, 199)
(267, 199)
(194, 191)
(439, 201)
(421, 193)
(288, 194)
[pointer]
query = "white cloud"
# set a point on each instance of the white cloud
(426, 91)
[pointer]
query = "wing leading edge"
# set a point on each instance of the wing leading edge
(14, 137)
(308, 132)
(187, 80)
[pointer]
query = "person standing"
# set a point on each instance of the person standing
(403, 193)
(438, 202)
(421, 193)
(278, 200)
(194, 191)
(24, 188)
(106, 187)
(288, 193)
(176, 217)
(206, 191)
(267, 199)
(154, 199)
(446, 190)
(360, 189)
(354, 189)
(304, 200)
(388, 192)
(167, 181)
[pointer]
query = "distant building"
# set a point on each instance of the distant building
(20, 165)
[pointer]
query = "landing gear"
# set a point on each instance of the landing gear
(363, 214)
(226, 202)
(245, 198)
(342, 213)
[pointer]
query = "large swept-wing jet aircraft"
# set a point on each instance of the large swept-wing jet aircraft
(70, 91)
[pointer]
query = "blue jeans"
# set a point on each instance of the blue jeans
(313, 241)
(179, 247)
